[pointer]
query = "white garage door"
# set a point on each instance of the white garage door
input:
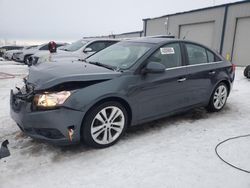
(241, 52)
(201, 32)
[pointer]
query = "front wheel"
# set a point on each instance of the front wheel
(218, 98)
(247, 71)
(104, 124)
(26, 60)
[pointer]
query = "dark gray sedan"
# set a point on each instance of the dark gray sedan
(126, 84)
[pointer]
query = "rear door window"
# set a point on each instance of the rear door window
(196, 54)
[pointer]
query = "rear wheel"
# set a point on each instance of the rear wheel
(104, 124)
(247, 71)
(218, 98)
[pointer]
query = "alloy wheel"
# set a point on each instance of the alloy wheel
(220, 97)
(107, 125)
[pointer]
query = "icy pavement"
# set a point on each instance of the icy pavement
(175, 152)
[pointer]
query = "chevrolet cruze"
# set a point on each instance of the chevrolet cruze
(131, 82)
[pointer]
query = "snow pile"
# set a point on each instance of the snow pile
(173, 152)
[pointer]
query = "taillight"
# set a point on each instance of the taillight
(233, 67)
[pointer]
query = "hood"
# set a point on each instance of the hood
(68, 55)
(42, 53)
(60, 55)
(47, 75)
(30, 51)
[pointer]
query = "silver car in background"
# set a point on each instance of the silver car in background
(8, 55)
(4, 49)
(17, 56)
(80, 49)
(25, 54)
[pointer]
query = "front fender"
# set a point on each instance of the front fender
(83, 99)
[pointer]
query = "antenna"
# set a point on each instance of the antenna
(166, 25)
(185, 36)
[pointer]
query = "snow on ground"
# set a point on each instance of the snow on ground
(173, 152)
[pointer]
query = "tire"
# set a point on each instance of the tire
(247, 71)
(26, 60)
(218, 98)
(96, 129)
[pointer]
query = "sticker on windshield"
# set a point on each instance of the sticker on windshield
(168, 50)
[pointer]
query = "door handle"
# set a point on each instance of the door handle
(211, 72)
(182, 79)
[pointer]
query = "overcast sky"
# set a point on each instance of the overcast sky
(73, 19)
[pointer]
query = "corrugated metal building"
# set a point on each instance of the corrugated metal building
(129, 34)
(122, 35)
(225, 28)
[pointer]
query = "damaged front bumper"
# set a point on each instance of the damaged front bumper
(54, 125)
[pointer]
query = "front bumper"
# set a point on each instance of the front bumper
(50, 125)
(18, 57)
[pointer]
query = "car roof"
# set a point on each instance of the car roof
(152, 40)
(160, 40)
(100, 39)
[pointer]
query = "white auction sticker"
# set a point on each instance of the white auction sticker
(169, 50)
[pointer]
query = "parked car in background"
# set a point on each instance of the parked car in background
(8, 55)
(128, 83)
(16, 55)
(45, 55)
(3, 49)
(247, 72)
(77, 50)
(25, 54)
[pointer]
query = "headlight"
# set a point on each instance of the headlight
(48, 100)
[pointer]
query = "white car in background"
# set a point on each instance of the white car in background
(8, 55)
(17, 55)
(3, 49)
(77, 50)
(25, 54)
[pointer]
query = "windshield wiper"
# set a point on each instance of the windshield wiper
(101, 65)
(83, 60)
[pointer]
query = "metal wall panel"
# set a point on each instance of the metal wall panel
(129, 35)
(241, 52)
(235, 12)
(201, 32)
(156, 27)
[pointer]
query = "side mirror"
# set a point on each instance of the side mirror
(86, 50)
(154, 67)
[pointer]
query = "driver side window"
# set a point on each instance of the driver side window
(168, 55)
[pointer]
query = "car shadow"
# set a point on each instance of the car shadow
(36, 148)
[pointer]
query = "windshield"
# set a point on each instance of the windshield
(75, 45)
(121, 55)
(30, 47)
